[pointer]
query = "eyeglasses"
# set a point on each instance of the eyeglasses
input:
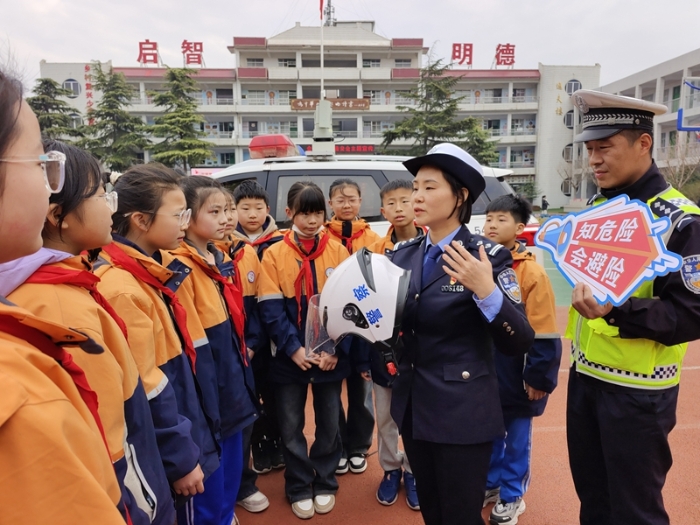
(111, 199)
(53, 163)
(341, 202)
(184, 216)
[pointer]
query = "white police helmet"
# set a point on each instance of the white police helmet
(364, 296)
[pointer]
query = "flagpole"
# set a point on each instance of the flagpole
(323, 93)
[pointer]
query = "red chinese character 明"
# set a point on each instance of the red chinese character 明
(462, 53)
(148, 52)
(505, 55)
(193, 52)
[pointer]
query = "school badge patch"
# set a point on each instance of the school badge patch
(690, 273)
(329, 271)
(508, 282)
(251, 276)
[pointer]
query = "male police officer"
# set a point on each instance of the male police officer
(626, 360)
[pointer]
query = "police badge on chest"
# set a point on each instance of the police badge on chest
(453, 287)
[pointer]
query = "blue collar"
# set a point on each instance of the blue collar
(444, 242)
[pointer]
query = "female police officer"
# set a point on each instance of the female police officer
(463, 301)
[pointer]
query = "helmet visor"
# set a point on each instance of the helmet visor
(317, 339)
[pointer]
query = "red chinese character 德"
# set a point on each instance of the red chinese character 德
(505, 55)
(462, 53)
(148, 52)
(193, 52)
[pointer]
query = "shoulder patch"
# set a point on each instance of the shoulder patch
(663, 208)
(508, 282)
(690, 273)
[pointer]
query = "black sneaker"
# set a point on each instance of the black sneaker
(261, 458)
(276, 456)
(358, 463)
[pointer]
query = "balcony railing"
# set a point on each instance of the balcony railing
(679, 152)
(513, 164)
(217, 101)
(511, 132)
(293, 134)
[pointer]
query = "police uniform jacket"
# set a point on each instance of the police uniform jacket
(213, 334)
(671, 316)
(446, 373)
(114, 377)
(155, 343)
(539, 367)
(45, 427)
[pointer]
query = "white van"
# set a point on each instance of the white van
(277, 175)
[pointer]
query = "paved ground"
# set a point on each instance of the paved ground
(551, 499)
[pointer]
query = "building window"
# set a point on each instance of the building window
(672, 138)
(255, 62)
(226, 127)
(466, 93)
(518, 94)
(73, 86)
(568, 153)
(571, 86)
(287, 95)
(569, 119)
(75, 121)
(371, 62)
(227, 158)
(402, 97)
(286, 62)
(663, 139)
(517, 126)
(402, 63)
(374, 96)
(254, 97)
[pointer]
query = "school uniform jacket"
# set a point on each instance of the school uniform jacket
(210, 325)
(114, 376)
(279, 310)
(539, 367)
(447, 375)
(54, 467)
(352, 234)
(270, 235)
(174, 396)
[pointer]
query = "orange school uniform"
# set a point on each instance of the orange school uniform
(352, 234)
(54, 467)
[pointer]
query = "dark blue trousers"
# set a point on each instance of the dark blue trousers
(216, 504)
(618, 450)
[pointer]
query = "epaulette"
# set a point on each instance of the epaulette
(593, 199)
(410, 242)
(679, 218)
(492, 248)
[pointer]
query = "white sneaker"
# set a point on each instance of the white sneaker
(256, 502)
(507, 513)
(358, 464)
(491, 496)
(303, 509)
(324, 503)
(343, 466)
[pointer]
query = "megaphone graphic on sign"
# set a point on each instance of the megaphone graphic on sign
(555, 235)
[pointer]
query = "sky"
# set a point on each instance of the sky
(623, 36)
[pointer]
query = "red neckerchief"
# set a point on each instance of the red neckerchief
(262, 239)
(237, 255)
(121, 259)
(233, 297)
(347, 241)
(41, 341)
(50, 274)
(306, 276)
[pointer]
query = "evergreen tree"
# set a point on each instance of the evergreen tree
(54, 114)
(433, 119)
(180, 123)
(114, 136)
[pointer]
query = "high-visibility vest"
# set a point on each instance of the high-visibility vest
(597, 349)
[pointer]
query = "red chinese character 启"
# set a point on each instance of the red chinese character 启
(505, 55)
(148, 52)
(193, 52)
(462, 53)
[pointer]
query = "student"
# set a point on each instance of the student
(524, 383)
(545, 206)
(246, 275)
(215, 317)
(48, 408)
(152, 215)
(56, 283)
(255, 224)
(257, 228)
(398, 210)
(463, 305)
(356, 431)
(292, 271)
